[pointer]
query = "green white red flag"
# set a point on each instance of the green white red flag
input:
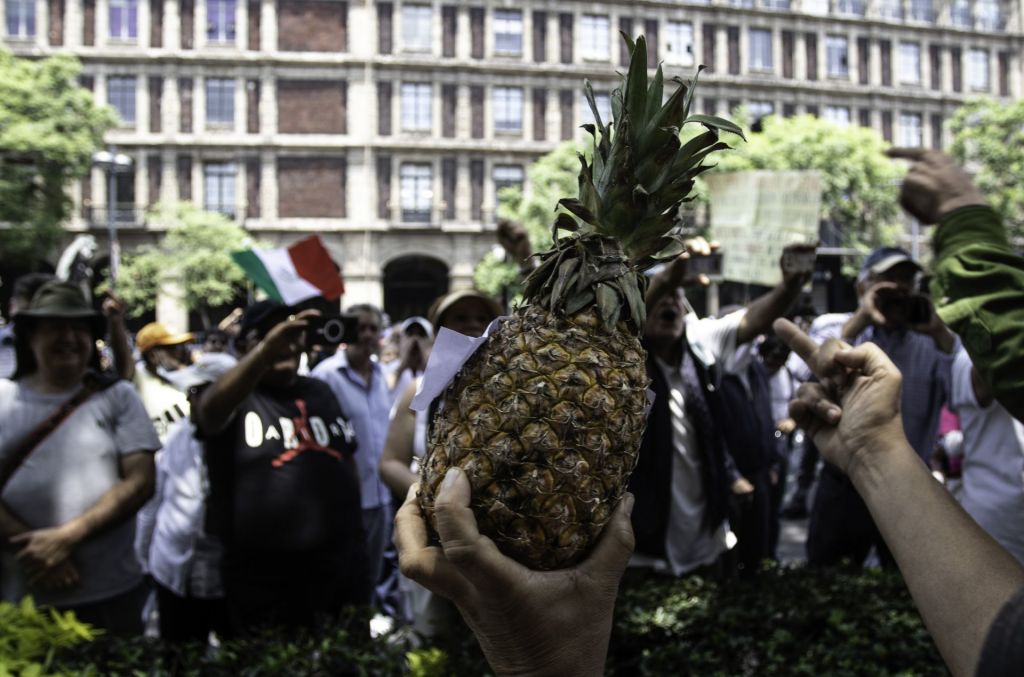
(294, 274)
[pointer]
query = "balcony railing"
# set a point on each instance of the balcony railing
(126, 216)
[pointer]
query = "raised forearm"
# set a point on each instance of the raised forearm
(958, 576)
(218, 403)
(764, 310)
(124, 365)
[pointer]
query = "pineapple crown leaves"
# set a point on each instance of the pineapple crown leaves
(629, 196)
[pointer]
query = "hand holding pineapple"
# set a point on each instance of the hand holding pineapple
(527, 622)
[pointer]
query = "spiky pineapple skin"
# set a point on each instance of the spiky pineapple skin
(546, 420)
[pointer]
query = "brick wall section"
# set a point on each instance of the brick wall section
(311, 106)
(311, 187)
(88, 22)
(56, 13)
(312, 26)
(156, 23)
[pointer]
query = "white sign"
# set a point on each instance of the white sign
(755, 214)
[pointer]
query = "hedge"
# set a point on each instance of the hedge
(784, 621)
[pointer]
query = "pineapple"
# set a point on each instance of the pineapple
(547, 417)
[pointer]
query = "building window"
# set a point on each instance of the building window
(922, 10)
(989, 15)
(819, 7)
(417, 25)
(604, 108)
(416, 191)
(839, 115)
(910, 63)
(910, 130)
(220, 101)
(890, 9)
(124, 19)
(679, 43)
(219, 188)
(852, 7)
(978, 70)
(595, 33)
(21, 18)
(220, 20)
(760, 109)
(960, 13)
(508, 32)
(416, 107)
(837, 53)
(506, 176)
(508, 109)
(775, 4)
(760, 49)
(121, 95)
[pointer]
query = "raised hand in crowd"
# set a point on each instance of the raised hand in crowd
(514, 239)
(959, 577)
(527, 622)
(113, 309)
(935, 185)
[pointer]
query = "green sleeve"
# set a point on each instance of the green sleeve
(978, 286)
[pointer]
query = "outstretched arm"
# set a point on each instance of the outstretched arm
(762, 311)
(958, 576)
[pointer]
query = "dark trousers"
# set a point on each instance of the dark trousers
(778, 492)
(750, 516)
(189, 619)
(292, 589)
(120, 615)
(841, 526)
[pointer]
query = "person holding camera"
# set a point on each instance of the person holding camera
(903, 323)
(284, 490)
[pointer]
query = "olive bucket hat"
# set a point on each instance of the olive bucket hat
(61, 300)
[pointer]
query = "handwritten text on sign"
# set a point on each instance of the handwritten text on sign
(755, 214)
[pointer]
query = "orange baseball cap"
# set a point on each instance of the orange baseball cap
(156, 334)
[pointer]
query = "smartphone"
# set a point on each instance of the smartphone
(919, 309)
(330, 330)
(710, 265)
(799, 262)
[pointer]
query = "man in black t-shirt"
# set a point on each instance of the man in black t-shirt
(284, 494)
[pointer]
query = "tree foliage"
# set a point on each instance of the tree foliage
(194, 257)
(861, 185)
(49, 128)
(988, 138)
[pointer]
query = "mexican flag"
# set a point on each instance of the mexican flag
(292, 275)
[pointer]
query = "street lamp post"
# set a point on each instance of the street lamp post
(113, 163)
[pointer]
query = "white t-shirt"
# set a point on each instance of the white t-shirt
(993, 467)
(166, 404)
(687, 544)
(67, 473)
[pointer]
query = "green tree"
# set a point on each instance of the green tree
(988, 138)
(193, 258)
(49, 128)
(861, 185)
(550, 178)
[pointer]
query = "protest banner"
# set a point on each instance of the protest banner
(755, 214)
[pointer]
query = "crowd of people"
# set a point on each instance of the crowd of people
(251, 479)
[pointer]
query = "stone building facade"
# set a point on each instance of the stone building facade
(388, 127)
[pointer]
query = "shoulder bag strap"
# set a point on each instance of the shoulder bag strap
(47, 426)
